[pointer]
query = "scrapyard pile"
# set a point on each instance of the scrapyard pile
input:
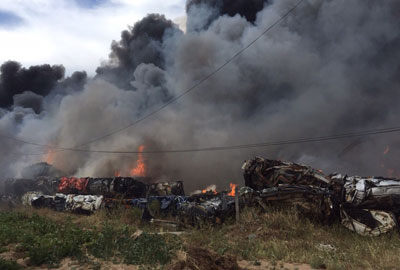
(368, 206)
(87, 195)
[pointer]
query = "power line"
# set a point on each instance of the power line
(248, 146)
(169, 102)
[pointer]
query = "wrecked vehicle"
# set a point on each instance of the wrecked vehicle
(83, 204)
(166, 188)
(206, 208)
(127, 187)
(366, 205)
(313, 202)
(262, 173)
(109, 187)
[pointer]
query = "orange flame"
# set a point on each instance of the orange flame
(140, 169)
(117, 174)
(386, 150)
(49, 158)
(211, 188)
(68, 183)
(233, 190)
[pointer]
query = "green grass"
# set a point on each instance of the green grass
(277, 236)
(9, 265)
(46, 241)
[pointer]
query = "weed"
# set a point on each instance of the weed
(317, 263)
(147, 249)
(9, 265)
(47, 242)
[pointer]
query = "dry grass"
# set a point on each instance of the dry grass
(283, 236)
(276, 236)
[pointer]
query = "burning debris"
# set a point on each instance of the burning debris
(368, 206)
(127, 187)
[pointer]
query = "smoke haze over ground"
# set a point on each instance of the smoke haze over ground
(331, 67)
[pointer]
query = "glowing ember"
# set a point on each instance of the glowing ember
(68, 183)
(140, 169)
(386, 150)
(117, 174)
(233, 189)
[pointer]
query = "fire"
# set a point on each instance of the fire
(233, 189)
(212, 188)
(49, 157)
(117, 174)
(140, 169)
(386, 150)
(68, 183)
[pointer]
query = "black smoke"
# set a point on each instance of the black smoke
(15, 79)
(244, 8)
(140, 44)
(26, 87)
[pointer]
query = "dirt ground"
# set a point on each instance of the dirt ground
(199, 258)
(192, 259)
(263, 265)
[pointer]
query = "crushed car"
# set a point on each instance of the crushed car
(366, 205)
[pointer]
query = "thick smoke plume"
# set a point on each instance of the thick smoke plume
(246, 8)
(141, 44)
(37, 79)
(331, 67)
(26, 87)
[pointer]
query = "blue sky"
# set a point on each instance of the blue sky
(90, 3)
(9, 19)
(75, 33)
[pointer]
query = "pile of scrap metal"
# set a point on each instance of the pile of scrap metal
(83, 204)
(86, 195)
(192, 210)
(164, 200)
(366, 205)
(127, 187)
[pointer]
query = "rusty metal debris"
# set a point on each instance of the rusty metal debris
(127, 187)
(366, 205)
(260, 173)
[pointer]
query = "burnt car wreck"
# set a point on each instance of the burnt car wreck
(365, 205)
